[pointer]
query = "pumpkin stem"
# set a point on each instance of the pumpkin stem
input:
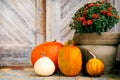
(92, 53)
(42, 53)
(69, 42)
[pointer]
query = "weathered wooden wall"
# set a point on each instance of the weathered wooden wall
(116, 4)
(19, 31)
(26, 23)
(63, 10)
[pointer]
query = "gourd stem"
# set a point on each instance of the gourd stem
(92, 54)
(42, 53)
(55, 40)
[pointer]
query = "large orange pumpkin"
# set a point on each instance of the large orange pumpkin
(50, 49)
(70, 60)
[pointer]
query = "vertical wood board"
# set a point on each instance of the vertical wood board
(117, 6)
(40, 21)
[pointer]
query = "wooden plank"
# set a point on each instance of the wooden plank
(65, 31)
(83, 78)
(48, 18)
(52, 78)
(40, 21)
(89, 1)
(100, 78)
(18, 21)
(52, 19)
(15, 55)
(23, 74)
(8, 74)
(112, 3)
(117, 3)
(25, 23)
(66, 78)
(59, 14)
(33, 76)
(17, 31)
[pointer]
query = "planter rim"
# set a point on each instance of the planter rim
(102, 33)
(107, 38)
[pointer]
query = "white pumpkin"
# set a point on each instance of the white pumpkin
(44, 66)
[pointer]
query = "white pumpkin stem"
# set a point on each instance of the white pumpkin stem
(42, 53)
(55, 40)
(92, 53)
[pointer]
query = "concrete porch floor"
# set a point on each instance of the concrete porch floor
(22, 73)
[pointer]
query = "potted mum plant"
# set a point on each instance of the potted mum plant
(95, 17)
(92, 23)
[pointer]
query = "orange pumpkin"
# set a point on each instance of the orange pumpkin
(50, 49)
(94, 66)
(70, 60)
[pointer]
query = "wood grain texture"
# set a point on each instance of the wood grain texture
(18, 22)
(26, 23)
(29, 74)
(52, 20)
(59, 16)
(117, 3)
(15, 55)
(17, 31)
(40, 21)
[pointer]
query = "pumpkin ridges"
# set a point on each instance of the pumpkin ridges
(76, 60)
(94, 67)
(101, 67)
(68, 61)
(90, 69)
(65, 60)
(97, 70)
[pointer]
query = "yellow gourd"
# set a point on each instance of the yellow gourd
(94, 66)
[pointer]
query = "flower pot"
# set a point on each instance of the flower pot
(106, 38)
(104, 46)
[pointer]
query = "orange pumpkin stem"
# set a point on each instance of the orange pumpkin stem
(92, 53)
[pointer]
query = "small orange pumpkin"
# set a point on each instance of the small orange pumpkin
(50, 49)
(94, 66)
(70, 60)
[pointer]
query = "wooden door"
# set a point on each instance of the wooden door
(27, 23)
(18, 31)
